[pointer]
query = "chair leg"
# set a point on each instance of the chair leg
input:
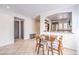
(61, 52)
(52, 52)
(38, 49)
(46, 46)
(43, 50)
(48, 51)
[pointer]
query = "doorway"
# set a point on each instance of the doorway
(18, 29)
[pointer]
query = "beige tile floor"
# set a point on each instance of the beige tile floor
(26, 47)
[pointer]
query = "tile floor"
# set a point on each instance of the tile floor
(26, 47)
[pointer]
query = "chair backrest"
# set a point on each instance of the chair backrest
(60, 39)
(42, 37)
(47, 37)
(60, 46)
(37, 37)
(52, 38)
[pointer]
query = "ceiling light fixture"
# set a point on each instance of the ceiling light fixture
(7, 7)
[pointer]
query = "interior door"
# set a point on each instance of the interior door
(22, 29)
(16, 29)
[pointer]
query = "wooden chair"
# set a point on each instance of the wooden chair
(38, 44)
(60, 46)
(50, 43)
(52, 46)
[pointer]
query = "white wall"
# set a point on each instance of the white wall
(77, 29)
(6, 29)
(7, 26)
(28, 28)
(69, 40)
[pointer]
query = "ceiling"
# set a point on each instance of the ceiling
(61, 16)
(33, 10)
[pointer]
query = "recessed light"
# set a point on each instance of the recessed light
(7, 7)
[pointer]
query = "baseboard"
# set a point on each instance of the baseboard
(7, 43)
(70, 49)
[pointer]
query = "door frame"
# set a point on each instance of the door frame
(20, 33)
